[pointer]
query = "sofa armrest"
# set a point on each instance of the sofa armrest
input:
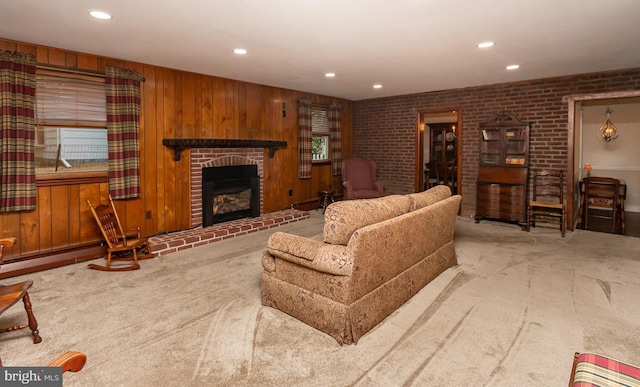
(311, 253)
(295, 245)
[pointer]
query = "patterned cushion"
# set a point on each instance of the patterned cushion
(596, 370)
(428, 197)
(342, 219)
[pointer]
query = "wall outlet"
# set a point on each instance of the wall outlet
(148, 214)
(290, 193)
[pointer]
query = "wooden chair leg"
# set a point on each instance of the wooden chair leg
(33, 323)
(621, 221)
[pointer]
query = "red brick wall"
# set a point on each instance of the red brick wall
(385, 128)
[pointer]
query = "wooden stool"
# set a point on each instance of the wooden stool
(325, 198)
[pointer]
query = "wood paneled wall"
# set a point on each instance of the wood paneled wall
(175, 104)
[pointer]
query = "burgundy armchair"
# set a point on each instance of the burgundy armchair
(359, 180)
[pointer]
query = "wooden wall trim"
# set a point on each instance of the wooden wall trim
(41, 262)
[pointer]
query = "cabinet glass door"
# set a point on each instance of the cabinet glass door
(443, 142)
(491, 145)
(515, 146)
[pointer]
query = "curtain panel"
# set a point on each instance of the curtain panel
(123, 126)
(17, 131)
(304, 138)
(335, 138)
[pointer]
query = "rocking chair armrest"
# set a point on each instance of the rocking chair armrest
(6, 242)
(133, 233)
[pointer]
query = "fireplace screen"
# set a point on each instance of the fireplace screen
(230, 192)
(226, 203)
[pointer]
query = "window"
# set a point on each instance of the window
(320, 134)
(71, 122)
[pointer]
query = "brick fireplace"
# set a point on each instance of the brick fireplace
(219, 157)
(206, 153)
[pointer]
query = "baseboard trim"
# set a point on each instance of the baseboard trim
(41, 262)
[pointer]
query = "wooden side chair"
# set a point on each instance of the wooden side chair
(445, 174)
(11, 294)
(430, 175)
(122, 245)
(547, 198)
(602, 200)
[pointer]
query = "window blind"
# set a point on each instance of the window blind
(72, 98)
(319, 119)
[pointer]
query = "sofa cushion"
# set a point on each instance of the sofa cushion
(342, 219)
(430, 196)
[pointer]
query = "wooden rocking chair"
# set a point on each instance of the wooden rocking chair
(68, 361)
(122, 245)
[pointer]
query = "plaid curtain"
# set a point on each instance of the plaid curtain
(336, 138)
(304, 138)
(17, 131)
(123, 125)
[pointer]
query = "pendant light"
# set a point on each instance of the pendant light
(608, 130)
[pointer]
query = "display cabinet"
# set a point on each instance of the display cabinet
(443, 142)
(503, 171)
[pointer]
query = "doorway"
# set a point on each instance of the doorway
(438, 142)
(601, 156)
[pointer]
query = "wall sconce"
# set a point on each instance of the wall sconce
(587, 167)
(608, 131)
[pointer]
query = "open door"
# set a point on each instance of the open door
(438, 139)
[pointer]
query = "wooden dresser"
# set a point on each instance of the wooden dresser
(504, 170)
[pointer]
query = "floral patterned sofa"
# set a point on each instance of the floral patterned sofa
(373, 256)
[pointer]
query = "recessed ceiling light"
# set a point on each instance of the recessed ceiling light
(513, 67)
(100, 15)
(486, 44)
(377, 86)
(240, 51)
(330, 75)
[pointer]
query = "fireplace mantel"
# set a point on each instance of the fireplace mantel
(178, 144)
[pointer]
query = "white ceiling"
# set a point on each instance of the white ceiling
(408, 46)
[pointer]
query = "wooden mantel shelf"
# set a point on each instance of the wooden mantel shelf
(178, 144)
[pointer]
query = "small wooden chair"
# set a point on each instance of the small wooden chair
(547, 198)
(602, 200)
(445, 174)
(430, 175)
(11, 294)
(122, 245)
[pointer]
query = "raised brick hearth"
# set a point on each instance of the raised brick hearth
(181, 240)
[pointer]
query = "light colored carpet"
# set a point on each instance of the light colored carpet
(512, 312)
